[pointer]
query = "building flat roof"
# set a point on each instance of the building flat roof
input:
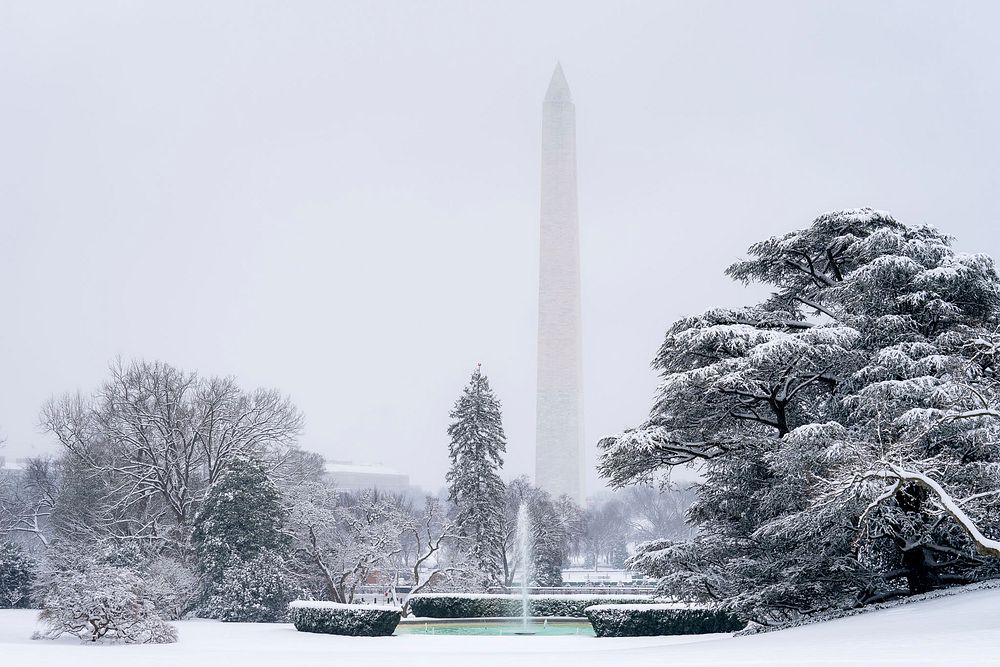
(361, 469)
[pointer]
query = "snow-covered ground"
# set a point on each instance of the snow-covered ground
(962, 629)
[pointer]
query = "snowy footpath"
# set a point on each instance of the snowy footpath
(962, 629)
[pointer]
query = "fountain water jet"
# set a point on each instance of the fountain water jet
(523, 541)
(523, 547)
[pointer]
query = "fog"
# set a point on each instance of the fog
(340, 200)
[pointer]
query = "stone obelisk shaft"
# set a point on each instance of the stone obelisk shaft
(559, 463)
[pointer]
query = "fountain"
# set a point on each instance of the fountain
(523, 541)
(505, 626)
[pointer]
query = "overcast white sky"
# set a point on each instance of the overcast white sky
(341, 199)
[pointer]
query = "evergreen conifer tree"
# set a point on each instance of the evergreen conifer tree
(238, 526)
(476, 450)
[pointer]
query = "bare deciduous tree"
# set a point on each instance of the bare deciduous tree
(430, 535)
(154, 438)
(345, 539)
(27, 497)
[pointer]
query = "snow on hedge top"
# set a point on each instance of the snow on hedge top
(641, 607)
(516, 596)
(324, 604)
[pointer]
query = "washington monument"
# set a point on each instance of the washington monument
(559, 457)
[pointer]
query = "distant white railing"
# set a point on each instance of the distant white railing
(607, 589)
(379, 592)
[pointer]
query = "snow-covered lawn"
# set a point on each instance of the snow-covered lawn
(962, 629)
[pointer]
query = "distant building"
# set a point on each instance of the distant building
(354, 477)
(12, 467)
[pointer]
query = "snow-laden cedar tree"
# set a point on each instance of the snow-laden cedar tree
(847, 426)
(476, 450)
(17, 573)
(242, 517)
(83, 594)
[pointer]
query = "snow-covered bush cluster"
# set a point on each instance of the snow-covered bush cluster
(173, 586)
(494, 605)
(334, 618)
(17, 573)
(253, 591)
(631, 620)
(99, 601)
(848, 427)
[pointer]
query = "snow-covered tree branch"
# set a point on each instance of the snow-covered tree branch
(431, 533)
(984, 545)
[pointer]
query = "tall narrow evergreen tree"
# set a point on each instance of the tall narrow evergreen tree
(474, 485)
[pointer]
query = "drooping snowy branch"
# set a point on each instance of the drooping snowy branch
(984, 545)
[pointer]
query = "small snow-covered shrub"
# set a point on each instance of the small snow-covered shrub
(492, 605)
(17, 573)
(633, 620)
(256, 591)
(101, 602)
(334, 618)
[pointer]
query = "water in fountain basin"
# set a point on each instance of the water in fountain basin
(496, 627)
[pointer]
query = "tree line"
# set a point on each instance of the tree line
(176, 494)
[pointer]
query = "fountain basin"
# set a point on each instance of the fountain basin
(499, 626)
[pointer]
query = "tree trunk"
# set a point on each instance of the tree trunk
(919, 577)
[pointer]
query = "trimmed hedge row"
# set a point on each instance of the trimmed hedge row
(658, 619)
(333, 618)
(495, 605)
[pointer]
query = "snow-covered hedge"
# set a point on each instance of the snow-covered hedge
(647, 620)
(333, 618)
(492, 605)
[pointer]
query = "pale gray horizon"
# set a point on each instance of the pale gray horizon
(341, 200)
